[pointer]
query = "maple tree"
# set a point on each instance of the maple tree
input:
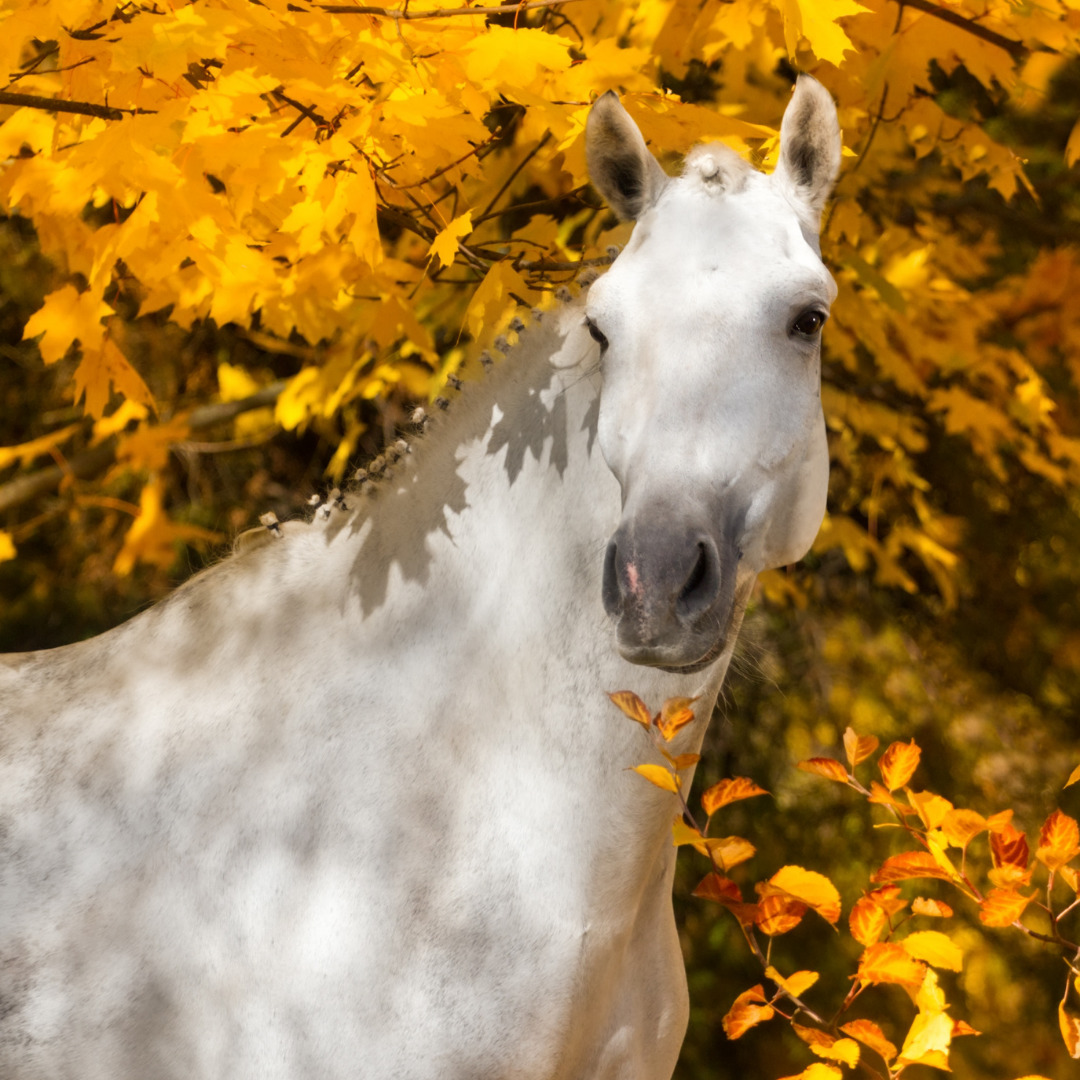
(243, 241)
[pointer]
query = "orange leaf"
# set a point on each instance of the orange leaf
(881, 797)
(1073, 777)
(869, 1034)
(675, 715)
(729, 851)
(962, 826)
(726, 892)
(1070, 877)
(813, 889)
(828, 1046)
(721, 889)
(910, 864)
(658, 775)
(777, 914)
(1059, 841)
(1009, 847)
(1070, 1030)
(931, 808)
(997, 822)
(750, 1008)
(867, 921)
(729, 791)
(921, 905)
(962, 1027)
(681, 834)
(1003, 907)
(886, 962)
(828, 767)
(934, 947)
(632, 706)
(898, 764)
(858, 747)
(794, 985)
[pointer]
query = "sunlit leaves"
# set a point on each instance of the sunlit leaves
(749, 1009)
(1059, 841)
(1002, 907)
(796, 984)
(922, 905)
(778, 913)
(828, 1046)
(813, 889)
(728, 791)
(675, 714)
(936, 948)
(632, 706)
(1069, 1025)
(858, 747)
(829, 768)
(907, 865)
(898, 764)
(871, 914)
(444, 247)
(887, 962)
(659, 776)
(869, 1034)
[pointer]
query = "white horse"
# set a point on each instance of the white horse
(353, 803)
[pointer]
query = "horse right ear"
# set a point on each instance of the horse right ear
(620, 166)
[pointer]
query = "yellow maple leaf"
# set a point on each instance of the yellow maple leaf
(67, 316)
(815, 20)
(444, 246)
(7, 546)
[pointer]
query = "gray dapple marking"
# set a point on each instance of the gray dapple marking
(353, 803)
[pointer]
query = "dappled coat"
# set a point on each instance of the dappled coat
(353, 803)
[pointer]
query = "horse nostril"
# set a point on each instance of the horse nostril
(610, 590)
(701, 586)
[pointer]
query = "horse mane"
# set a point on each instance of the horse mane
(405, 493)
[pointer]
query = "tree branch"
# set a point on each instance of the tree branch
(1016, 49)
(84, 108)
(90, 462)
(403, 14)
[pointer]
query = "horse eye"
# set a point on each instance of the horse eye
(809, 323)
(596, 334)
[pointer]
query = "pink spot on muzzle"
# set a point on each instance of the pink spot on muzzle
(634, 580)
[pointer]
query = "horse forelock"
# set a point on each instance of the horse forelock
(719, 168)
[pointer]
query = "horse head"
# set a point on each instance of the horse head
(708, 328)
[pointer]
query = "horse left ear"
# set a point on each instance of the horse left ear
(810, 144)
(620, 166)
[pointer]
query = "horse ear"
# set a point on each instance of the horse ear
(810, 145)
(620, 166)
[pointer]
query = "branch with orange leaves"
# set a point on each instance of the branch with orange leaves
(875, 920)
(937, 826)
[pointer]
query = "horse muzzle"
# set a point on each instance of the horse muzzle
(671, 592)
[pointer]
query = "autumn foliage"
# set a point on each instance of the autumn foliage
(894, 953)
